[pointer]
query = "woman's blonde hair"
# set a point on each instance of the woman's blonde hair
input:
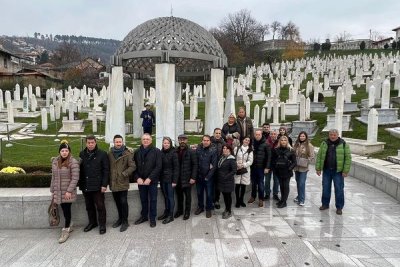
(287, 142)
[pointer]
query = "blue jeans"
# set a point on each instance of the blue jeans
(267, 184)
(338, 181)
(257, 183)
(168, 193)
(145, 192)
(301, 178)
(208, 186)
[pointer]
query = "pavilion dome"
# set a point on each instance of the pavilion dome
(170, 39)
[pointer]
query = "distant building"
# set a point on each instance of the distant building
(351, 44)
(397, 31)
(275, 44)
(381, 43)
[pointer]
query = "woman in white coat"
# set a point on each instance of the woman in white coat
(244, 159)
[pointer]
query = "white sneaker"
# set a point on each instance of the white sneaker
(64, 235)
(296, 200)
(70, 229)
(301, 204)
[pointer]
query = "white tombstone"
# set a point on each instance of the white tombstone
(33, 103)
(256, 118)
(52, 113)
(94, 121)
(275, 118)
(137, 106)
(1, 100)
(7, 97)
(302, 109)
(37, 91)
(371, 96)
(10, 112)
(17, 92)
(48, 92)
(214, 102)
(339, 110)
(247, 105)
(115, 115)
(30, 90)
(372, 135)
(385, 102)
(57, 109)
(308, 108)
(230, 98)
(269, 108)
(44, 119)
(25, 105)
(283, 114)
(263, 115)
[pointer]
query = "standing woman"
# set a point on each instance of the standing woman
(226, 181)
(283, 132)
(168, 178)
(231, 131)
(284, 161)
(65, 177)
(244, 159)
(304, 151)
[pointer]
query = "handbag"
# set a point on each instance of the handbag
(54, 214)
(302, 162)
(241, 171)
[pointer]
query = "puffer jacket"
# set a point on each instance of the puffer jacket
(207, 160)
(226, 171)
(301, 152)
(187, 166)
(120, 170)
(148, 165)
(64, 179)
(262, 155)
(170, 166)
(95, 170)
(218, 143)
(287, 171)
(246, 127)
(246, 158)
(343, 156)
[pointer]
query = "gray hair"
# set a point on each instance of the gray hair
(334, 131)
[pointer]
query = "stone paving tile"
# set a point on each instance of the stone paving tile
(368, 234)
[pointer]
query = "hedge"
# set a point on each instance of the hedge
(25, 180)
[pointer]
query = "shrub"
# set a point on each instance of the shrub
(25, 180)
(362, 45)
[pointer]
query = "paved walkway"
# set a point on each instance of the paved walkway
(367, 234)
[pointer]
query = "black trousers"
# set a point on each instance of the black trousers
(217, 193)
(240, 190)
(95, 201)
(187, 192)
(284, 185)
(228, 201)
(121, 200)
(66, 208)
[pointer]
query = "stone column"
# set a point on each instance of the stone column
(165, 102)
(178, 91)
(137, 107)
(372, 134)
(230, 98)
(115, 115)
(1, 100)
(215, 103)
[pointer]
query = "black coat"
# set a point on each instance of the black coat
(94, 170)
(148, 165)
(262, 154)
(187, 166)
(207, 161)
(286, 172)
(226, 175)
(230, 129)
(170, 166)
(218, 143)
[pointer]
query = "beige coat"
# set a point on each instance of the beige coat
(246, 159)
(301, 152)
(64, 179)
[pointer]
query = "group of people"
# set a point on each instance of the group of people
(235, 156)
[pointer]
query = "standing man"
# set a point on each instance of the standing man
(261, 166)
(272, 142)
(207, 164)
(148, 119)
(148, 168)
(218, 142)
(187, 176)
(121, 168)
(334, 160)
(245, 123)
(266, 130)
(93, 182)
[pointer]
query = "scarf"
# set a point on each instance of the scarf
(118, 152)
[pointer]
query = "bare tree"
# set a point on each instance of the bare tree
(66, 53)
(275, 26)
(343, 37)
(243, 29)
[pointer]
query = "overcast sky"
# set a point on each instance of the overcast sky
(317, 19)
